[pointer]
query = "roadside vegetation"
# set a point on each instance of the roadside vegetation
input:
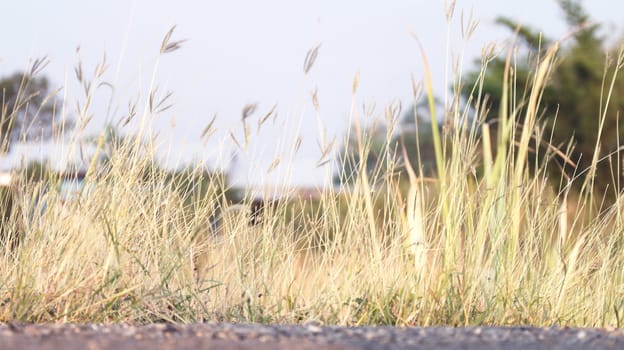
(481, 233)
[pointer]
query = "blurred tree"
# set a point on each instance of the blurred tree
(349, 159)
(27, 113)
(37, 170)
(28, 109)
(413, 131)
(416, 135)
(575, 96)
(119, 150)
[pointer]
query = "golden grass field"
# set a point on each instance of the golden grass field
(504, 247)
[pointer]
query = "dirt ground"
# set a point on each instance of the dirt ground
(311, 336)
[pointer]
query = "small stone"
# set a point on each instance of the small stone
(314, 329)
(582, 335)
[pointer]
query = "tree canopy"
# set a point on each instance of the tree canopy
(575, 98)
(29, 109)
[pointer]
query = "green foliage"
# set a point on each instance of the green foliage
(574, 99)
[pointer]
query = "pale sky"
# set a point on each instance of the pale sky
(241, 52)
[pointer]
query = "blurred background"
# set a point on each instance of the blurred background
(244, 53)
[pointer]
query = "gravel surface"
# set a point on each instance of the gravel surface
(253, 336)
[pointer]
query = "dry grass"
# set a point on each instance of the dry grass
(460, 249)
